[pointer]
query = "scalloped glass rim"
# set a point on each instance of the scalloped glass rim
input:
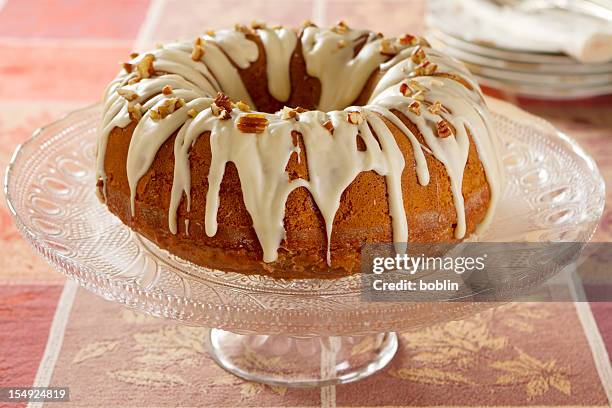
(143, 277)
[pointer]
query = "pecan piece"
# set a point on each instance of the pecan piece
(127, 94)
(408, 39)
(243, 106)
(426, 68)
(415, 107)
(287, 113)
(145, 66)
(418, 55)
(355, 118)
(223, 102)
(252, 123)
(435, 108)
(444, 129)
(388, 48)
(329, 126)
(167, 90)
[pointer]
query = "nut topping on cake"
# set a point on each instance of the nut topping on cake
(166, 108)
(127, 67)
(243, 106)
(198, 51)
(415, 107)
(135, 111)
(243, 29)
(145, 66)
(167, 90)
(192, 113)
(329, 126)
(387, 47)
(408, 39)
(355, 118)
(308, 23)
(223, 103)
(289, 113)
(426, 68)
(418, 55)
(340, 28)
(252, 123)
(258, 25)
(444, 129)
(127, 94)
(435, 108)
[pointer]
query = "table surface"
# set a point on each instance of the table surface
(56, 56)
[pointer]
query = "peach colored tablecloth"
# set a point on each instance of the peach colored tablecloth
(56, 56)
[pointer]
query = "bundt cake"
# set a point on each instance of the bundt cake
(268, 150)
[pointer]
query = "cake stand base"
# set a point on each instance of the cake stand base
(292, 361)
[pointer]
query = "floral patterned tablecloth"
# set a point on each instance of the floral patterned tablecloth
(56, 56)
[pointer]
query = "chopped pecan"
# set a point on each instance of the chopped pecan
(135, 111)
(167, 107)
(417, 86)
(288, 113)
(215, 110)
(127, 67)
(408, 39)
(444, 129)
(329, 126)
(435, 108)
(243, 106)
(340, 28)
(223, 102)
(258, 25)
(167, 90)
(134, 55)
(197, 53)
(418, 55)
(252, 123)
(192, 113)
(127, 94)
(355, 118)
(308, 23)
(145, 66)
(243, 29)
(415, 107)
(426, 68)
(387, 47)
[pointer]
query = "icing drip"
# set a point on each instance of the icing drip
(342, 74)
(240, 49)
(343, 60)
(279, 45)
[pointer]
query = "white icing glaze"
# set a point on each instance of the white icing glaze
(279, 44)
(334, 160)
(342, 74)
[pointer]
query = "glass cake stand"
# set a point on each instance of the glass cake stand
(281, 332)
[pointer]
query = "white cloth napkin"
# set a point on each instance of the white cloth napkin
(587, 39)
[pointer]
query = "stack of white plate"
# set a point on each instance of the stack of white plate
(543, 75)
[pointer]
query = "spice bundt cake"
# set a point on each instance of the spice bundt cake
(337, 138)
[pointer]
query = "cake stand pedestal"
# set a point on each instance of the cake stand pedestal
(301, 361)
(282, 332)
